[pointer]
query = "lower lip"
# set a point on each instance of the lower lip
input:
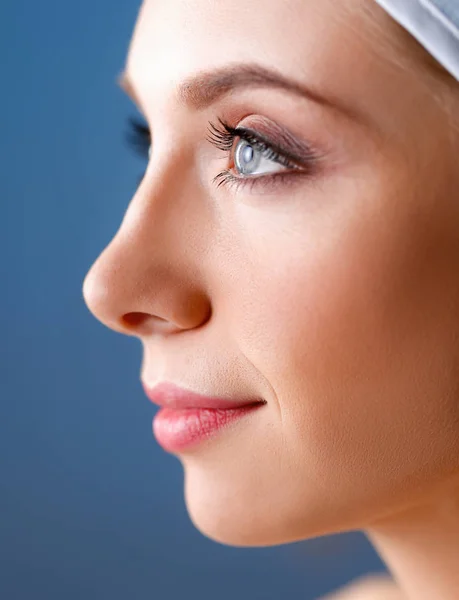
(178, 429)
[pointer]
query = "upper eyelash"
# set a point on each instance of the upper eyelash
(224, 139)
(221, 138)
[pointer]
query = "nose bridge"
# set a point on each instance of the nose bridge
(149, 277)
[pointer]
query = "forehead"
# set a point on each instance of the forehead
(174, 39)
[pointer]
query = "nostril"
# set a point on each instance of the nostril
(134, 319)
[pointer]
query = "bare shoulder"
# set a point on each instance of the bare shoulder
(370, 587)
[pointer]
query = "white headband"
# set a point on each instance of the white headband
(434, 23)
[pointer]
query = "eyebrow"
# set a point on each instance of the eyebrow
(207, 87)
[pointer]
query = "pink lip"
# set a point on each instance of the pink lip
(187, 418)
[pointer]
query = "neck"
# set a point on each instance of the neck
(421, 547)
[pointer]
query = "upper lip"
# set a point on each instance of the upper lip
(173, 396)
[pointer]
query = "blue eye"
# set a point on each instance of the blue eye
(250, 159)
(255, 160)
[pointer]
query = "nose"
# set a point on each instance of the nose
(148, 279)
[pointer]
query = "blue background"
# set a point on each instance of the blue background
(90, 506)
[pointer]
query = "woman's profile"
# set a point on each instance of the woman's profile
(290, 263)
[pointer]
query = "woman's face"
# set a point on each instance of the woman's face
(329, 286)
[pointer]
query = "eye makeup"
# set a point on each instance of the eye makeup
(273, 142)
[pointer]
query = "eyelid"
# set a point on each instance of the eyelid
(264, 132)
(270, 184)
(261, 141)
(279, 138)
(303, 156)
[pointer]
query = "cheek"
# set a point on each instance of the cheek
(357, 336)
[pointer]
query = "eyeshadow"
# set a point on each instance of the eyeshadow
(277, 135)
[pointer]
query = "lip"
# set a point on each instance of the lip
(177, 430)
(167, 394)
(187, 418)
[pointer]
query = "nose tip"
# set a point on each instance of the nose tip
(175, 308)
(98, 300)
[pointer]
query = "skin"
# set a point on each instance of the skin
(334, 298)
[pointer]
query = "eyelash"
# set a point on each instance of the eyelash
(138, 137)
(222, 137)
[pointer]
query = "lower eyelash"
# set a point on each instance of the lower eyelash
(271, 181)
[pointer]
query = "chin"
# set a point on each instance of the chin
(222, 510)
(238, 512)
(229, 526)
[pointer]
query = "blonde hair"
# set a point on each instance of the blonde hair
(403, 51)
